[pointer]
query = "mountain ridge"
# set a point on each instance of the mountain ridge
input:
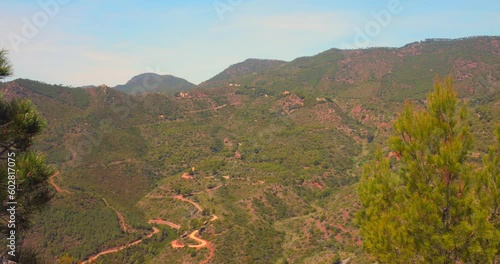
(153, 82)
(248, 66)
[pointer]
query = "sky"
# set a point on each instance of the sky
(92, 42)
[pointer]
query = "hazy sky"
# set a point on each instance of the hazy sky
(80, 42)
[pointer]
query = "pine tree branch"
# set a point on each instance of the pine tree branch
(6, 124)
(7, 148)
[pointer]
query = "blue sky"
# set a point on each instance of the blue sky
(81, 42)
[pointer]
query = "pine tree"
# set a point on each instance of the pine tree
(431, 205)
(5, 67)
(489, 187)
(23, 172)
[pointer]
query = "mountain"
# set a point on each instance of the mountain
(256, 165)
(385, 73)
(247, 67)
(152, 82)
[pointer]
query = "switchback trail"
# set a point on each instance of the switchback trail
(175, 244)
(123, 225)
(202, 243)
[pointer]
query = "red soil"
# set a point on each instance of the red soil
(58, 189)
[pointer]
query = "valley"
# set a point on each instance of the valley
(257, 165)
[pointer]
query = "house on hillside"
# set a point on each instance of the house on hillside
(183, 95)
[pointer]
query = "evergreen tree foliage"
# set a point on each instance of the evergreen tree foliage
(489, 187)
(431, 205)
(29, 189)
(5, 67)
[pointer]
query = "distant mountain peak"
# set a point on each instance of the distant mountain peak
(153, 82)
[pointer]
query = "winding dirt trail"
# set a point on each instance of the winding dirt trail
(58, 189)
(114, 163)
(119, 248)
(177, 244)
(214, 108)
(202, 242)
(162, 222)
(180, 197)
(124, 227)
(121, 219)
(209, 190)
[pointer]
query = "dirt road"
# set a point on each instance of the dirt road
(119, 248)
(177, 244)
(180, 197)
(58, 189)
(214, 108)
(202, 242)
(124, 227)
(121, 219)
(162, 222)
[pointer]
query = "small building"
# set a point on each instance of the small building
(183, 95)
